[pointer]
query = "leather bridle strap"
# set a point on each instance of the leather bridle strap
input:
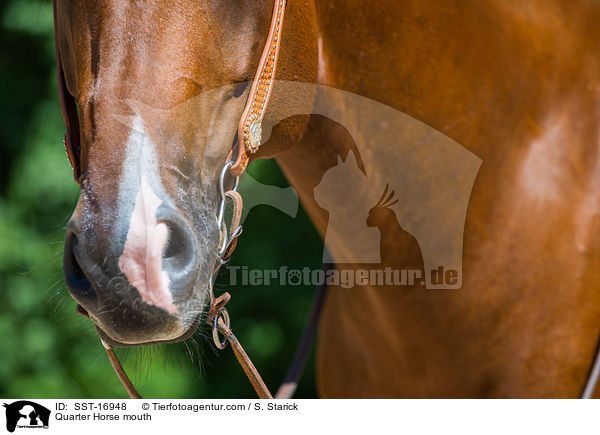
(219, 319)
(249, 135)
(120, 371)
(593, 376)
(290, 382)
(68, 107)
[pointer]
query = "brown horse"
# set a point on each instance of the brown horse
(158, 90)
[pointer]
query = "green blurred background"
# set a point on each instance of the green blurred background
(47, 350)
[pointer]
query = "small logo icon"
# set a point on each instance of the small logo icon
(26, 414)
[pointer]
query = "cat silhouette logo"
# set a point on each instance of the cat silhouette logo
(26, 414)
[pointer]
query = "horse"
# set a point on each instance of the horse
(160, 87)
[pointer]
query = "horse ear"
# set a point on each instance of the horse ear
(339, 160)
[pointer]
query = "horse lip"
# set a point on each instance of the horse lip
(82, 311)
(114, 343)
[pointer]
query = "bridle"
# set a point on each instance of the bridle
(248, 142)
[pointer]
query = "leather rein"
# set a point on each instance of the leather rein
(248, 142)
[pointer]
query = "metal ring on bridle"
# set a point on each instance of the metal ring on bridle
(222, 197)
(224, 242)
(225, 239)
(221, 344)
(236, 178)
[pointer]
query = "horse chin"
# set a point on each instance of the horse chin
(116, 343)
(147, 327)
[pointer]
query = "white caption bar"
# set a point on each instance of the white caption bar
(301, 416)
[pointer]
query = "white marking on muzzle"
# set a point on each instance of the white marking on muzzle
(141, 260)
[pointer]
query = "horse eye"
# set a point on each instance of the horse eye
(239, 88)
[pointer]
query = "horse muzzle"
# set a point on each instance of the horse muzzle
(141, 290)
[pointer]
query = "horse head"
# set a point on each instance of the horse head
(160, 87)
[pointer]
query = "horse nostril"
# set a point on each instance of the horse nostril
(175, 243)
(77, 282)
(179, 254)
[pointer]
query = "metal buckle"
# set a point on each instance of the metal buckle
(220, 343)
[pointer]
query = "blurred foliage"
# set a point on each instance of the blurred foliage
(47, 349)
